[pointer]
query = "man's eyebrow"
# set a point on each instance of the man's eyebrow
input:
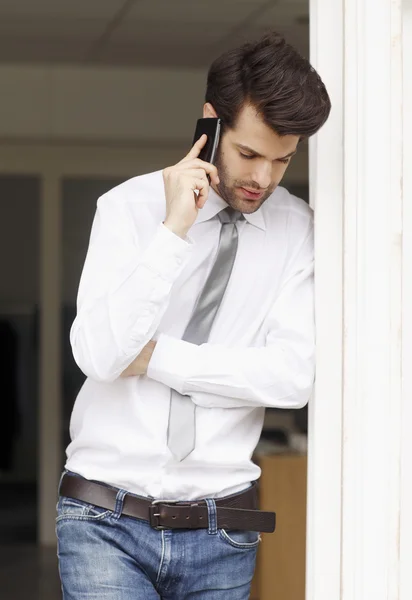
(247, 149)
(288, 155)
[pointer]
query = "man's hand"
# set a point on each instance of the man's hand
(181, 182)
(141, 362)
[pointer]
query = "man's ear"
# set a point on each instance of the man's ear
(209, 112)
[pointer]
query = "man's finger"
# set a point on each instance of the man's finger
(197, 147)
(194, 173)
(201, 191)
(208, 168)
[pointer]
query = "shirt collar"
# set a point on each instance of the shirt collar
(215, 204)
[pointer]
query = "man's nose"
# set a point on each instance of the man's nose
(262, 176)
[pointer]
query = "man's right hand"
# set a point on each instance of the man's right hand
(181, 181)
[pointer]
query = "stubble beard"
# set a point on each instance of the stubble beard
(227, 191)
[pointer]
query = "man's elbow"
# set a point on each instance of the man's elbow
(303, 392)
(97, 372)
(103, 367)
(294, 395)
(302, 401)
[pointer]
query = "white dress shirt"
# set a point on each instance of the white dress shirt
(140, 282)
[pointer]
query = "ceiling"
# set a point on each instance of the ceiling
(178, 33)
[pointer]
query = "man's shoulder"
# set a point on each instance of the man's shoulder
(291, 207)
(147, 188)
(284, 200)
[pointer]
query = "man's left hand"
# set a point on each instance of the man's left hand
(141, 362)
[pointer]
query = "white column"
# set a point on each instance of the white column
(49, 458)
(359, 497)
(325, 414)
(405, 516)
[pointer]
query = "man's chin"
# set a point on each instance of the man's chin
(237, 200)
(247, 206)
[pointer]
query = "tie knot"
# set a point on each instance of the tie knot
(230, 215)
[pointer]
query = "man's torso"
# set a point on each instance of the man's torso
(119, 429)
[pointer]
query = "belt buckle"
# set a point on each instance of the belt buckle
(154, 516)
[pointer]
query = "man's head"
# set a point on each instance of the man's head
(269, 98)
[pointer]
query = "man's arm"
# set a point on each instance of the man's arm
(124, 289)
(278, 374)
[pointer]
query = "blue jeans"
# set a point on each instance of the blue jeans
(104, 555)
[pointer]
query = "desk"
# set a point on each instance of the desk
(280, 572)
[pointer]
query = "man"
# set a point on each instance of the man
(195, 312)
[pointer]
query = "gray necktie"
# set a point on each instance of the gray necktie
(181, 432)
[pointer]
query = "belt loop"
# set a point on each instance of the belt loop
(118, 509)
(211, 509)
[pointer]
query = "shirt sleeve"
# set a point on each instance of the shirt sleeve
(279, 374)
(124, 288)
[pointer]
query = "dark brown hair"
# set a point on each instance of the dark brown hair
(273, 77)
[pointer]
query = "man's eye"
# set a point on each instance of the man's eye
(284, 160)
(247, 156)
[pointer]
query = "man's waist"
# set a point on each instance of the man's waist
(190, 481)
(236, 511)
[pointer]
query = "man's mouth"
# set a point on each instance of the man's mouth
(251, 194)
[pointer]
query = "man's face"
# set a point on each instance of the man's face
(251, 162)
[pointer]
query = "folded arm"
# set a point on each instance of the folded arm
(279, 374)
(124, 289)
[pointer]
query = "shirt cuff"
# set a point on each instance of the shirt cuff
(171, 362)
(167, 252)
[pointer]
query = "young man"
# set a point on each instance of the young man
(195, 312)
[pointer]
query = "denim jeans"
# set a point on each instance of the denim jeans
(104, 555)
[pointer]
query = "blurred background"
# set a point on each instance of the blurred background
(92, 93)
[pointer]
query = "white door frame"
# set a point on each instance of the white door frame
(360, 452)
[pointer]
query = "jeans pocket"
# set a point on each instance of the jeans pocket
(246, 540)
(71, 508)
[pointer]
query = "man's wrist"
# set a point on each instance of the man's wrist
(148, 350)
(178, 230)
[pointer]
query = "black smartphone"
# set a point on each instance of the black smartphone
(211, 127)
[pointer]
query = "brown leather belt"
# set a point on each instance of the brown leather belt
(237, 511)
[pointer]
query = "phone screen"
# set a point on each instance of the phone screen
(211, 127)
